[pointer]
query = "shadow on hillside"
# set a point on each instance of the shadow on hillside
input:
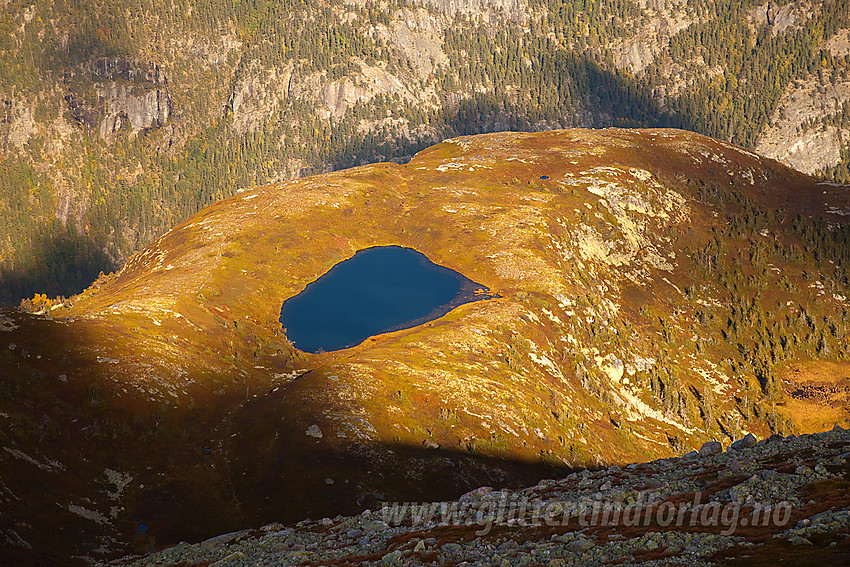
(64, 263)
(186, 468)
(589, 96)
(307, 482)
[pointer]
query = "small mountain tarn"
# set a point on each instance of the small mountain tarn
(378, 290)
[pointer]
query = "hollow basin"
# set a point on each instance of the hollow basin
(378, 290)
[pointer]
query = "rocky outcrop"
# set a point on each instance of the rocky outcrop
(839, 44)
(782, 18)
(488, 10)
(258, 94)
(19, 122)
(124, 96)
(662, 21)
(262, 92)
(417, 34)
(338, 96)
(797, 136)
(803, 131)
(125, 105)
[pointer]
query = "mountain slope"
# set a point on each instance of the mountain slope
(120, 119)
(657, 289)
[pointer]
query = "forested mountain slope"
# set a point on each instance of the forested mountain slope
(118, 119)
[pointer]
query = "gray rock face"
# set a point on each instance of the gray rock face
(339, 96)
(515, 10)
(663, 20)
(747, 442)
(710, 448)
(129, 96)
(141, 109)
(22, 127)
(258, 94)
(418, 35)
(795, 135)
(480, 491)
(780, 18)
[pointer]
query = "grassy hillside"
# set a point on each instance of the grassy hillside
(657, 289)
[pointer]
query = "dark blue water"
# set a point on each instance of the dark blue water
(379, 290)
